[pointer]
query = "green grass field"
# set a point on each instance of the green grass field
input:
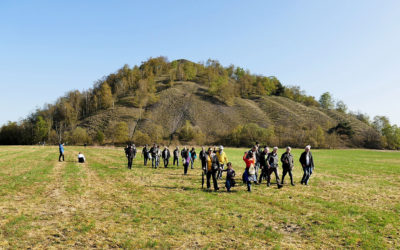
(353, 201)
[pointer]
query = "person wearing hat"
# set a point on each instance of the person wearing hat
(307, 162)
(212, 166)
(287, 165)
(273, 164)
(223, 160)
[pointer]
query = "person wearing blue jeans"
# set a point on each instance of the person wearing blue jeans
(307, 162)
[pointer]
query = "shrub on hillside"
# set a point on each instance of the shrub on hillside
(141, 138)
(77, 136)
(246, 135)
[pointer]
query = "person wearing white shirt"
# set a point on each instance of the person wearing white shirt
(81, 158)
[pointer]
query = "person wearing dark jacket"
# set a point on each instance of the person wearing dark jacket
(202, 157)
(287, 165)
(166, 155)
(230, 177)
(145, 154)
(130, 153)
(153, 153)
(176, 156)
(185, 154)
(193, 157)
(212, 166)
(273, 164)
(307, 162)
(263, 164)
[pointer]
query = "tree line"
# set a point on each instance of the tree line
(60, 121)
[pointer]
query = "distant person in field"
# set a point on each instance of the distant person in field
(145, 154)
(193, 157)
(61, 149)
(273, 164)
(253, 151)
(307, 162)
(212, 166)
(249, 174)
(176, 156)
(130, 154)
(81, 158)
(185, 154)
(153, 154)
(223, 160)
(166, 155)
(158, 156)
(287, 165)
(202, 157)
(263, 164)
(230, 177)
(258, 152)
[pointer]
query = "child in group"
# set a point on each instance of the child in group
(230, 177)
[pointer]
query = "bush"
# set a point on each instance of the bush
(99, 137)
(77, 136)
(247, 135)
(141, 138)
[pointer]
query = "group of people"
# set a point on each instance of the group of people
(81, 157)
(260, 163)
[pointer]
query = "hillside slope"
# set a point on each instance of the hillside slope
(189, 101)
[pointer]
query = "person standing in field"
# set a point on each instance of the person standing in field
(287, 165)
(307, 162)
(158, 156)
(223, 159)
(166, 155)
(129, 152)
(145, 154)
(176, 156)
(230, 177)
(263, 164)
(193, 157)
(273, 164)
(153, 154)
(202, 157)
(61, 149)
(249, 174)
(253, 151)
(185, 159)
(212, 166)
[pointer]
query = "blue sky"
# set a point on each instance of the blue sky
(349, 48)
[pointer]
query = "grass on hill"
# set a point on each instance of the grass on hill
(352, 202)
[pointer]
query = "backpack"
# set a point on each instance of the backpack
(252, 170)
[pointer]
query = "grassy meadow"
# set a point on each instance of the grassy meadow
(353, 201)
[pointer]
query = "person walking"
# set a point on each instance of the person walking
(249, 174)
(212, 166)
(61, 149)
(230, 177)
(185, 154)
(287, 165)
(223, 160)
(307, 162)
(176, 156)
(193, 157)
(145, 154)
(263, 164)
(153, 154)
(129, 152)
(273, 164)
(166, 155)
(202, 157)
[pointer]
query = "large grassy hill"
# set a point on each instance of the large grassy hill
(190, 101)
(352, 202)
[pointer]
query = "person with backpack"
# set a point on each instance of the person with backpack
(61, 149)
(273, 164)
(185, 154)
(263, 164)
(129, 152)
(230, 177)
(153, 154)
(212, 166)
(249, 174)
(287, 165)
(176, 156)
(193, 157)
(145, 154)
(307, 162)
(166, 155)
(223, 159)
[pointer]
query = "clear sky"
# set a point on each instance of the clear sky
(349, 48)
